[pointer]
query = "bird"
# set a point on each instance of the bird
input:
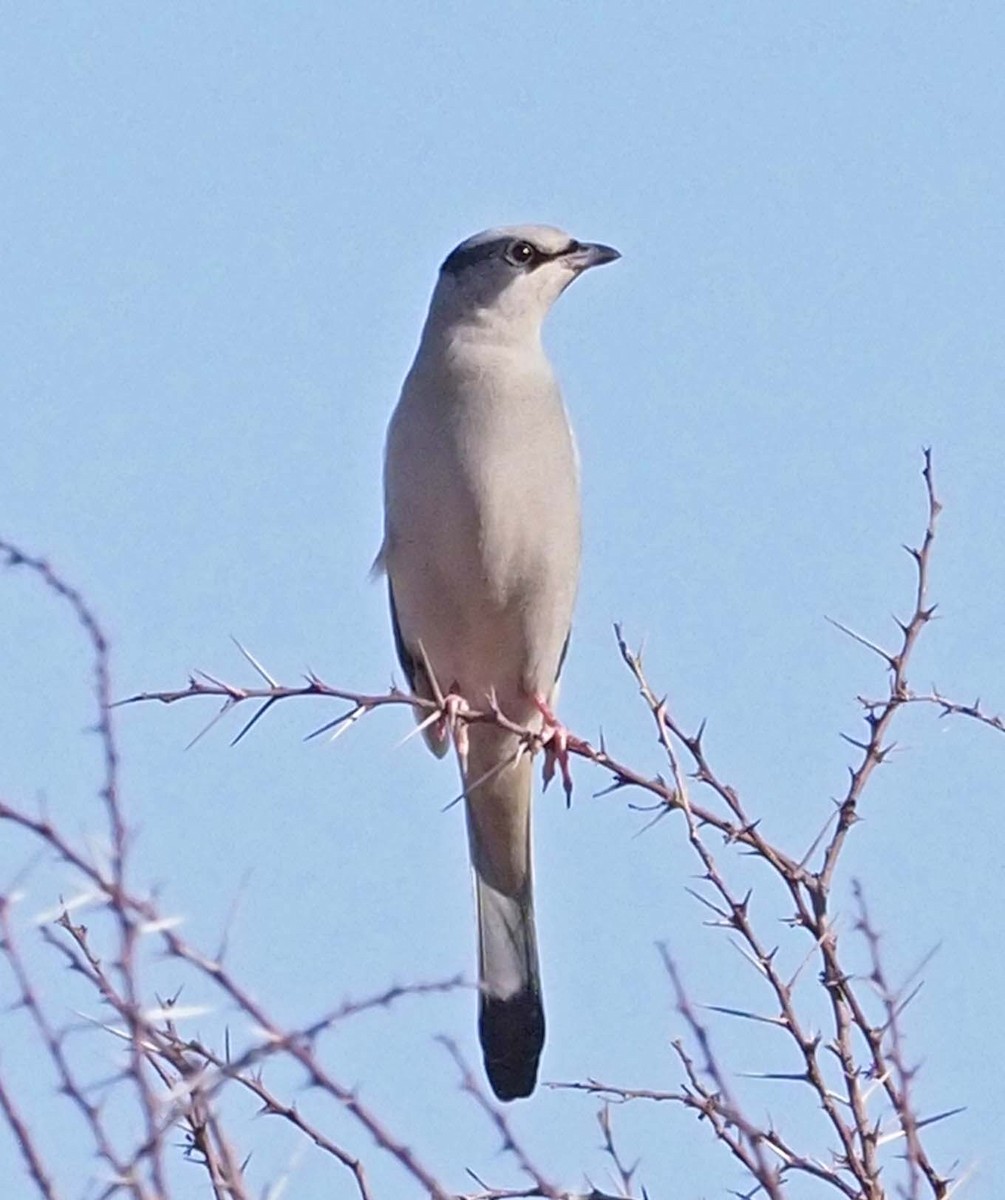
(481, 550)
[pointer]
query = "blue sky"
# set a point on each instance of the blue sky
(220, 227)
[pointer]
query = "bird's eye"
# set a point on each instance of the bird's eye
(521, 253)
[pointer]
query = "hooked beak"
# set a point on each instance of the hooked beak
(590, 254)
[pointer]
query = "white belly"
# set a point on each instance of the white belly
(483, 531)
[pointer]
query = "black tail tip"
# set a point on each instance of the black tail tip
(511, 1032)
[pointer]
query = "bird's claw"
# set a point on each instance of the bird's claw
(452, 723)
(556, 740)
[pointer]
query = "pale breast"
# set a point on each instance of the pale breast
(483, 524)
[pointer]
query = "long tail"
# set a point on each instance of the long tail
(511, 1016)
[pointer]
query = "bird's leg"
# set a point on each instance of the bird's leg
(555, 739)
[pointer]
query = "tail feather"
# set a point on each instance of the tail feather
(512, 1035)
(511, 1015)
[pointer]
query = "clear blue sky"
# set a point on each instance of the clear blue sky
(220, 226)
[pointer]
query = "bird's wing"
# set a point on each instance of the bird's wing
(418, 680)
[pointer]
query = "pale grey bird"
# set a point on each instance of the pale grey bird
(481, 548)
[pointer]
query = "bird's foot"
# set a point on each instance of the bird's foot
(556, 740)
(452, 724)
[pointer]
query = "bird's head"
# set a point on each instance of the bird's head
(510, 277)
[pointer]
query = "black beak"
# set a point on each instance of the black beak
(590, 254)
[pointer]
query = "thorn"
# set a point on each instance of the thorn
(228, 704)
(863, 641)
(350, 717)
(420, 728)
(235, 692)
(258, 715)
(255, 663)
(431, 675)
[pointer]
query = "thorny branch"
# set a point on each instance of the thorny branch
(178, 1081)
(868, 1056)
(855, 1068)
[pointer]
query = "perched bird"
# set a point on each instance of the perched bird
(481, 549)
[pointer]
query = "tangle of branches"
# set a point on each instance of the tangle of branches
(848, 1045)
